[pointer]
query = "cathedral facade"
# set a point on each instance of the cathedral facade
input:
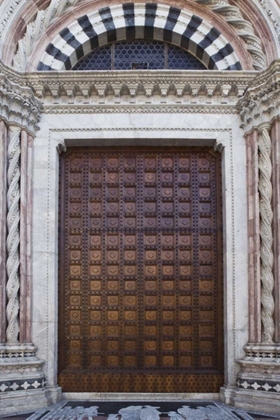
(140, 191)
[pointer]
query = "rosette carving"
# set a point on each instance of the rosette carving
(13, 198)
(266, 216)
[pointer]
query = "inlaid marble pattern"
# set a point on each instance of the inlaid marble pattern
(101, 410)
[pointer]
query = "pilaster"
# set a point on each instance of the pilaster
(258, 381)
(22, 379)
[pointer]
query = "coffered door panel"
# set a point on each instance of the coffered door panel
(140, 294)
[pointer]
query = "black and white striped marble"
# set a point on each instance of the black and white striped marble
(140, 21)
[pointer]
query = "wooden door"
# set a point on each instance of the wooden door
(140, 295)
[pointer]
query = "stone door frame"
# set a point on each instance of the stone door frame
(48, 144)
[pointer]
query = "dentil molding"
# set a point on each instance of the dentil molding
(174, 91)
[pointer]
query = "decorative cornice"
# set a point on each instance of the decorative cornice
(18, 105)
(159, 91)
(24, 96)
(261, 102)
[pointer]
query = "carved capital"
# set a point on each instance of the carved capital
(18, 105)
(260, 104)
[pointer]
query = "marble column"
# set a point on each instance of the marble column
(3, 232)
(260, 368)
(13, 235)
(253, 238)
(21, 372)
(25, 236)
(275, 136)
(266, 234)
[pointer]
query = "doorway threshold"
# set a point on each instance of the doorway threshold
(124, 396)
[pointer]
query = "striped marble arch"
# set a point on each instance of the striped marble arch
(139, 21)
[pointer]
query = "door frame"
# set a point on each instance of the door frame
(221, 140)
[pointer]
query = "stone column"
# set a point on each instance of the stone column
(275, 135)
(21, 372)
(22, 379)
(3, 235)
(13, 217)
(253, 237)
(260, 368)
(266, 234)
(258, 379)
(25, 236)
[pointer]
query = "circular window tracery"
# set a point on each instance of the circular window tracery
(137, 55)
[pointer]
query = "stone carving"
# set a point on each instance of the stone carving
(57, 8)
(266, 216)
(60, 94)
(5, 19)
(13, 196)
(73, 413)
(37, 28)
(260, 103)
(131, 413)
(61, 147)
(18, 105)
(175, 416)
(244, 28)
(202, 413)
(272, 16)
(149, 413)
(257, 352)
(17, 351)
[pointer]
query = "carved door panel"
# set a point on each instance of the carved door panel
(140, 271)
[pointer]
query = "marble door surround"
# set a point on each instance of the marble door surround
(236, 113)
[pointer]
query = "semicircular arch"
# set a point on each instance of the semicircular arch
(140, 21)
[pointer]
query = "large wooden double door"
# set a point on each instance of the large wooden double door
(140, 296)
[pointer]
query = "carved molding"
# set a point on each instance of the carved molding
(243, 27)
(18, 105)
(37, 28)
(261, 101)
(45, 18)
(117, 92)
(14, 5)
(272, 16)
(160, 91)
